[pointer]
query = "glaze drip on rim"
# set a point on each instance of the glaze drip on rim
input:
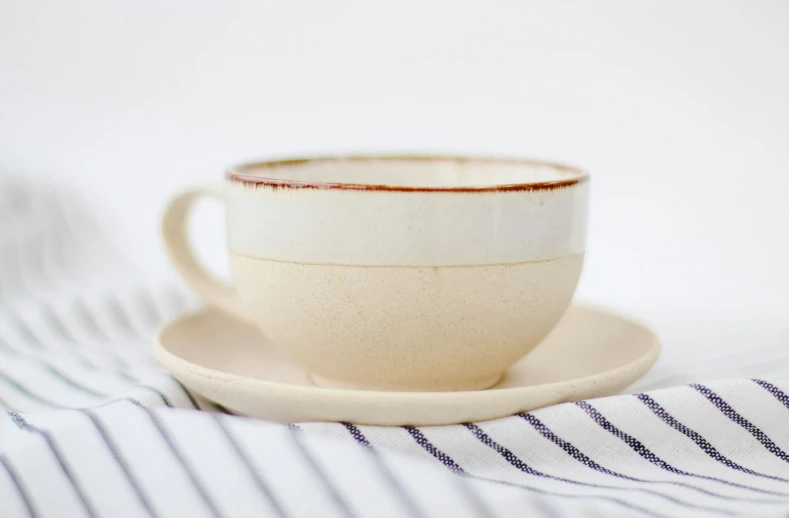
(408, 173)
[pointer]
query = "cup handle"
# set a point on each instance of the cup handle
(176, 241)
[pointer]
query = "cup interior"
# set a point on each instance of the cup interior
(407, 172)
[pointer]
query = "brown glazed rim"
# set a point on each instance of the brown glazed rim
(239, 174)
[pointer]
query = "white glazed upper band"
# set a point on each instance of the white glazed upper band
(396, 228)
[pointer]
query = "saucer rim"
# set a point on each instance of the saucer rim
(641, 364)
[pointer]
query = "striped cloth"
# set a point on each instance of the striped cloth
(93, 426)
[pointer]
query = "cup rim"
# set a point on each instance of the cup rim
(240, 173)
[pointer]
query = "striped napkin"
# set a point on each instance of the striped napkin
(92, 426)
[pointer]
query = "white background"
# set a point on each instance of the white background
(679, 110)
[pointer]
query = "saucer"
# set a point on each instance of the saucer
(591, 353)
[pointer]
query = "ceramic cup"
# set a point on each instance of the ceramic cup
(395, 272)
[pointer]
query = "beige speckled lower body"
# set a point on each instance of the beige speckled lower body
(406, 328)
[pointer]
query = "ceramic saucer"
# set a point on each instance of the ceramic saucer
(591, 353)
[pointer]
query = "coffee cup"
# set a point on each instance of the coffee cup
(402, 273)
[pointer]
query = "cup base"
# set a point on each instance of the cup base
(465, 385)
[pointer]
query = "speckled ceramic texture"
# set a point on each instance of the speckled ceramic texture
(398, 273)
(407, 328)
(591, 353)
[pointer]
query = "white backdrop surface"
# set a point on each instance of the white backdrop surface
(679, 110)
